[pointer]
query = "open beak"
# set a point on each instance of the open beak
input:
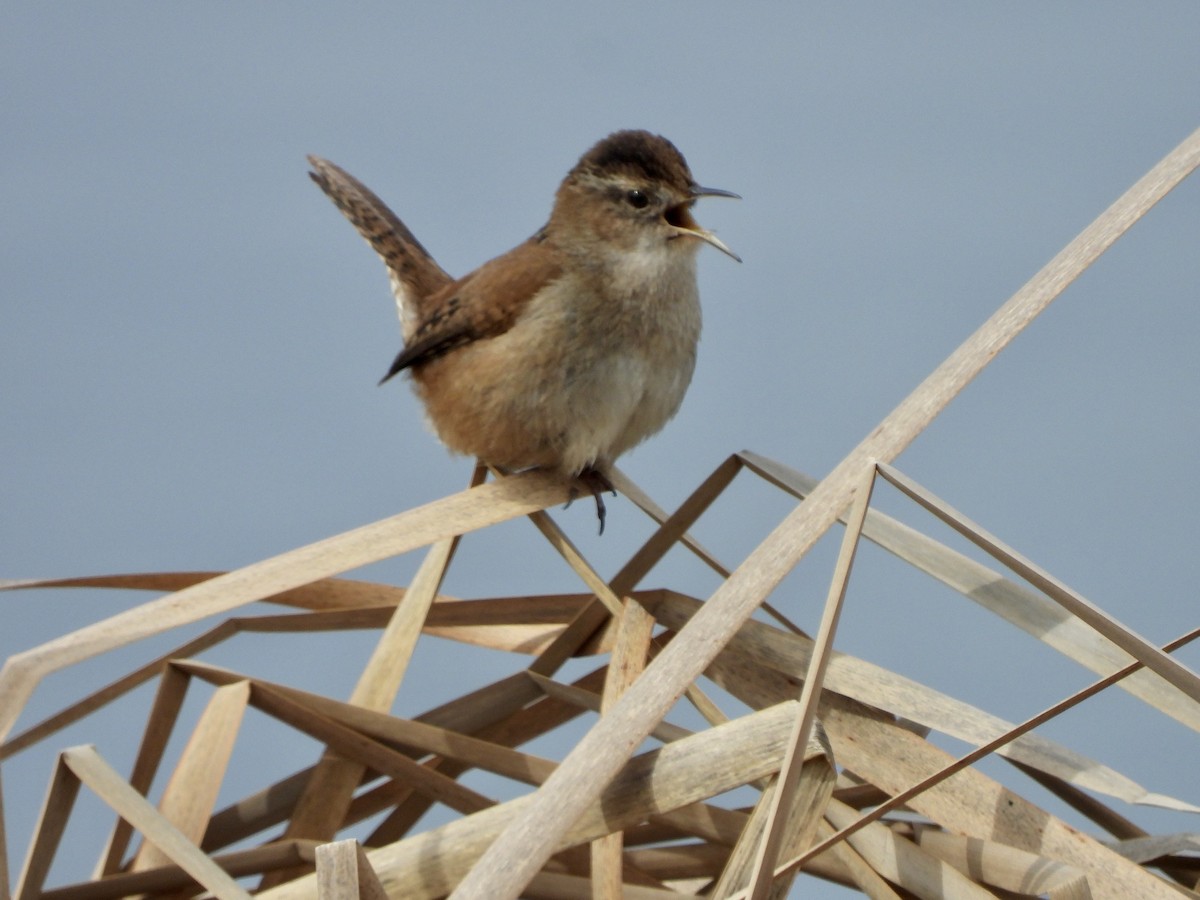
(683, 220)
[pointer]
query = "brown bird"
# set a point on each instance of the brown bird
(572, 347)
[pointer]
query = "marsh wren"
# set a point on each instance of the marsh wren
(572, 347)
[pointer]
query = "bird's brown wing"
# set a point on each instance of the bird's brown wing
(482, 305)
(413, 272)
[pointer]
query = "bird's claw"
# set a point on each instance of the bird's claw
(597, 483)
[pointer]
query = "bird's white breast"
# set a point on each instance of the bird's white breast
(631, 352)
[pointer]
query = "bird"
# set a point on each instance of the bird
(574, 346)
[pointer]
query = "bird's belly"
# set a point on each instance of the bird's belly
(559, 409)
(620, 402)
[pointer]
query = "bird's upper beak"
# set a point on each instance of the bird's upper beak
(698, 191)
(683, 219)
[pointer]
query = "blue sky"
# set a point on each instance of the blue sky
(190, 334)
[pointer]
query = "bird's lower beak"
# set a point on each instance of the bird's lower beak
(709, 238)
(688, 226)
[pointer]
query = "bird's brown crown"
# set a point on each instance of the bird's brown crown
(638, 156)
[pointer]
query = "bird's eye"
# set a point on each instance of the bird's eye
(637, 199)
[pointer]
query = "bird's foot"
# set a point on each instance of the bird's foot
(597, 483)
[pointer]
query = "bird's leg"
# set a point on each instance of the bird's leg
(593, 479)
(597, 483)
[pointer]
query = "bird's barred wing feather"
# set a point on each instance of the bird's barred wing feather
(467, 311)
